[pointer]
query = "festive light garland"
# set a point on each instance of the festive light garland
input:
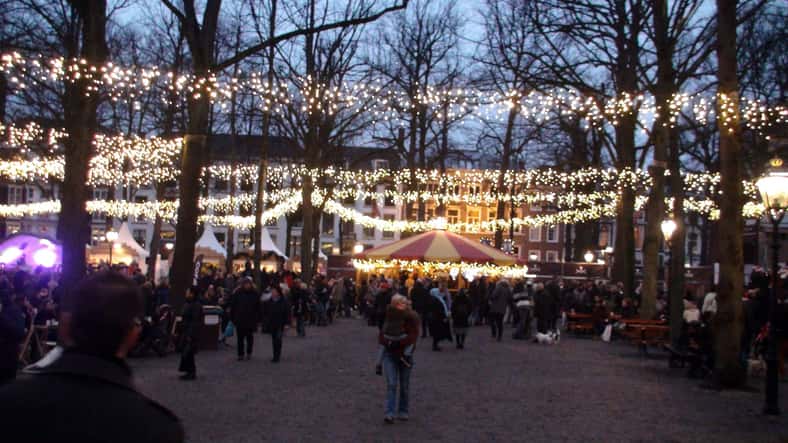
(468, 270)
(382, 104)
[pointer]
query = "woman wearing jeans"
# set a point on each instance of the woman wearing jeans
(398, 366)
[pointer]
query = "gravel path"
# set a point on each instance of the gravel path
(325, 389)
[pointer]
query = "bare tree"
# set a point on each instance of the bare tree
(200, 31)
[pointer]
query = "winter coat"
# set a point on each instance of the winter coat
(83, 398)
(460, 311)
(499, 299)
(276, 314)
(438, 320)
(245, 308)
(192, 321)
(420, 298)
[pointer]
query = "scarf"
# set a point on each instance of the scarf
(435, 292)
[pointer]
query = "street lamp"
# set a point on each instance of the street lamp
(358, 248)
(111, 237)
(668, 227)
(773, 187)
(533, 257)
(588, 256)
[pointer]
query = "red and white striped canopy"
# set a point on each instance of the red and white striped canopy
(439, 246)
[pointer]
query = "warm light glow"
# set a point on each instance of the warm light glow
(609, 250)
(588, 256)
(454, 272)
(358, 248)
(111, 236)
(532, 256)
(668, 227)
(169, 246)
(773, 187)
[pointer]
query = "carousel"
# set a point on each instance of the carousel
(441, 254)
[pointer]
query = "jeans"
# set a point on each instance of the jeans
(300, 326)
(276, 341)
(496, 324)
(396, 373)
(245, 335)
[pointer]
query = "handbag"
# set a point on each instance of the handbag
(229, 331)
(607, 333)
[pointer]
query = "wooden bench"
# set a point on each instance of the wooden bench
(579, 323)
(645, 335)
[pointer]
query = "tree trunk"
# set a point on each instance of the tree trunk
(655, 211)
(307, 231)
(727, 326)
(624, 254)
(80, 122)
(506, 154)
(155, 241)
(677, 245)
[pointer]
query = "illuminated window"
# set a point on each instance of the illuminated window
(535, 234)
(551, 256)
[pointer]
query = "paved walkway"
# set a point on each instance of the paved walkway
(325, 390)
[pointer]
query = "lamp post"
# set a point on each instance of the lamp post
(773, 187)
(111, 237)
(588, 256)
(668, 227)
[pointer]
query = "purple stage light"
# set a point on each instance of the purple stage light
(45, 257)
(10, 255)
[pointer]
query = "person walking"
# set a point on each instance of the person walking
(460, 314)
(499, 301)
(420, 297)
(189, 338)
(524, 305)
(245, 314)
(85, 393)
(276, 317)
(439, 319)
(300, 306)
(396, 365)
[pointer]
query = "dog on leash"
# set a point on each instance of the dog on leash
(551, 338)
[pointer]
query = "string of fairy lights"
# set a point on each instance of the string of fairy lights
(379, 102)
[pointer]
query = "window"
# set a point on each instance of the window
(492, 214)
(140, 235)
(535, 255)
(552, 234)
(389, 199)
(453, 216)
(16, 195)
(380, 164)
(350, 200)
(327, 249)
(473, 216)
(221, 185)
(551, 256)
(31, 192)
(536, 208)
(535, 234)
(295, 246)
(272, 222)
(369, 233)
(328, 224)
(221, 237)
(100, 194)
(388, 235)
(429, 214)
(12, 227)
(245, 240)
(139, 199)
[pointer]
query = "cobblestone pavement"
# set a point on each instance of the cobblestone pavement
(325, 390)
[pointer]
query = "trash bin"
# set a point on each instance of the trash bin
(212, 325)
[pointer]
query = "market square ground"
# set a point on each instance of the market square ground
(325, 389)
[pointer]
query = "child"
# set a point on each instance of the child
(393, 333)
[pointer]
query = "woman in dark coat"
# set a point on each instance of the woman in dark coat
(188, 342)
(439, 319)
(276, 315)
(460, 312)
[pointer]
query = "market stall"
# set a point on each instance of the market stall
(122, 250)
(212, 252)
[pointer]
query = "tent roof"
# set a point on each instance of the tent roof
(267, 244)
(125, 238)
(440, 246)
(208, 241)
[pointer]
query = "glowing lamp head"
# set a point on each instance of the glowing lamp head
(169, 246)
(358, 248)
(10, 255)
(439, 223)
(532, 256)
(609, 250)
(668, 227)
(454, 272)
(45, 257)
(773, 187)
(588, 256)
(112, 236)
